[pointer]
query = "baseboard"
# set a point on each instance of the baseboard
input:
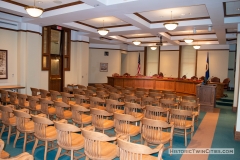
(236, 134)
(234, 109)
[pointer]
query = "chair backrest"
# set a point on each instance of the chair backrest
(101, 94)
(132, 108)
(215, 79)
(34, 91)
(65, 89)
(95, 102)
(65, 97)
(54, 95)
(44, 102)
(13, 97)
(6, 110)
(111, 105)
(133, 151)
(126, 74)
(202, 78)
(154, 112)
(64, 130)
(161, 74)
(154, 130)
(147, 101)
(194, 78)
(99, 117)
(226, 82)
(168, 103)
(155, 94)
(139, 94)
(122, 123)
(92, 88)
(114, 96)
(77, 112)
(82, 87)
(60, 108)
(186, 105)
(22, 117)
(80, 99)
(180, 117)
(99, 86)
(170, 96)
(131, 99)
(32, 102)
(43, 93)
(168, 92)
(40, 125)
(115, 74)
(4, 95)
(190, 98)
(22, 98)
(155, 90)
(78, 91)
(92, 143)
(89, 93)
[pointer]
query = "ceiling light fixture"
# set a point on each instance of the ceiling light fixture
(136, 42)
(196, 46)
(103, 31)
(170, 25)
(153, 48)
(188, 40)
(160, 42)
(34, 11)
(209, 28)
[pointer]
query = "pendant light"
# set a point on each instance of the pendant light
(34, 11)
(196, 46)
(136, 42)
(170, 25)
(188, 40)
(103, 31)
(153, 47)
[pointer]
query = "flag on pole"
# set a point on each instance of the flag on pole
(207, 68)
(139, 66)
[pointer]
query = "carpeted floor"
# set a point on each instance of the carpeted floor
(223, 138)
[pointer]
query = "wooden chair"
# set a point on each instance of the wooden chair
(44, 93)
(168, 103)
(43, 131)
(24, 125)
(226, 82)
(55, 95)
(170, 96)
(46, 107)
(5, 155)
(114, 106)
(8, 120)
(13, 99)
(78, 91)
(123, 125)
(215, 79)
(161, 74)
(68, 139)
(61, 113)
(22, 101)
(78, 115)
(116, 96)
(81, 87)
(34, 104)
(99, 119)
(157, 113)
(140, 94)
(89, 93)
(99, 86)
(4, 97)
(202, 78)
(156, 95)
(127, 92)
(126, 74)
(149, 101)
(96, 102)
(132, 99)
(133, 151)
(66, 98)
(155, 90)
(191, 106)
(157, 132)
(190, 99)
(134, 109)
(97, 145)
(66, 90)
(115, 75)
(181, 122)
(102, 94)
(194, 78)
(82, 100)
(35, 92)
(94, 89)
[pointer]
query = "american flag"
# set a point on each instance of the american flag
(139, 66)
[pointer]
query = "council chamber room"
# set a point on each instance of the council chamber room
(119, 79)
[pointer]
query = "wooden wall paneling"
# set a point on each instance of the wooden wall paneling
(128, 83)
(180, 87)
(118, 82)
(149, 84)
(159, 85)
(169, 85)
(111, 81)
(188, 88)
(138, 83)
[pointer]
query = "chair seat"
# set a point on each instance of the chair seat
(108, 150)
(188, 124)
(77, 141)
(51, 133)
(29, 126)
(71, 102)
(67, 114)
(134, 130)
(86, 119)
(12, 121)
(137, 115)
(149, 157)
(26, 105)
(86, 105)
(4, 155)
(38, 107)
(101, 107)
(159, 137)
(51, 110)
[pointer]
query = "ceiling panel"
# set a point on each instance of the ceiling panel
(190, 32)
(233, 8)
(231, 30)
(177, 13)
(137, 35)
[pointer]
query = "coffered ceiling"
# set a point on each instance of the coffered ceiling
(205, 21)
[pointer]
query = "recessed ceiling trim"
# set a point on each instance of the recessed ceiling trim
(190, 34)
(16, 3)
(11, 14)
(142, 17)
(137, 37)
(116, 26)
(225, 11)
(64, 5)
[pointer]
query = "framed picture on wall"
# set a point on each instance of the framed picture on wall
(3, 64)
(103, 67)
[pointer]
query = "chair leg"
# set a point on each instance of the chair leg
(35, 146)
(45, 151)
(25, 141)
(58, 153)
(71, 154)
(9, 134)
(87, 158)
(185, 137)
(16, 138)
(3, 128)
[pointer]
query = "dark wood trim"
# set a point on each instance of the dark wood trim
(199, 40)
(213, 49)
(169, 50)
(16, 3)
(21, 30)
(145, 61)
(136, 51)
(193, 34)
(116, 26)
(6, 63)
(105, 38)
(79, 41)
(123, 36)
(233, 15)
(168, 33)
(232, 50)
(64, 5)
(224, 9)
(234, 39)
(137, 37)
(234, 109)
(196, 62)
(10, 14)
(142, 17)
(104, 48)
(159, 56)
(179, 60)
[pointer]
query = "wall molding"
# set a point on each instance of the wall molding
(213, 49)
(21, 30)
(79, 41)
(234, 109)
(236, 134)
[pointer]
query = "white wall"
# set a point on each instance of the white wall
(188, 61)
(96, 56)
(152, 61)
(169, 63)
(218, 63)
